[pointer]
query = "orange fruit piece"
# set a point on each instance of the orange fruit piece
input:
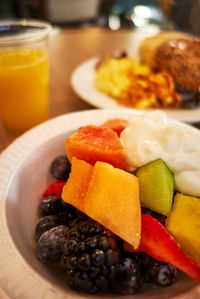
(116, 124)
(108, 195)
(93, 144)
(113, 200)
(75, 189)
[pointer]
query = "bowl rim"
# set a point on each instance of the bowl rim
(10, 159)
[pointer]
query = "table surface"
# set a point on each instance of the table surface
(69, 47)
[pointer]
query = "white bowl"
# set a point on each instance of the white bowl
(24, 175)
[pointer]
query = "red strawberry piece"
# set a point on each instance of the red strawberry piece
(159, 244)
(55, 188)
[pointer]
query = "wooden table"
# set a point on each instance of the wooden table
(68, 48)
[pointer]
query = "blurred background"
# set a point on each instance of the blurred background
(114, 14)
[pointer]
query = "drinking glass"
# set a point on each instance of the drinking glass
(24, 73)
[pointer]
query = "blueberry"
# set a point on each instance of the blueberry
(49, 246)
(161, 273)
(46, 223)
(60, 168)
(50, 205)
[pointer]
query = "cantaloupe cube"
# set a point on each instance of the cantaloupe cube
(113, 200)
(76, 187)
(184, 224)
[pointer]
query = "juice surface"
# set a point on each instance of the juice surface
(23, 87)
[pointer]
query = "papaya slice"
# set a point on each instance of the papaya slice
(116, 124)
(74, 191)
(92, 144)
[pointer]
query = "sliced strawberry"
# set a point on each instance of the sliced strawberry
(116, 124)
(159, 244)
(55, 188)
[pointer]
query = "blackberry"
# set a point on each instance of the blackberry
(161, 273)
(90, 257)
(129, 279)
(46, 223)
(60, 168)
(49, 245)
(50, 205)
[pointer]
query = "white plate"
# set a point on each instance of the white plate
(24, 175)
(82, 81)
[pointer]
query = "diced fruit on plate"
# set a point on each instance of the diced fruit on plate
(156, 186)
(112, 199)
(159, 244)
(75, 190)
(184, 224)
(116, 124)
(92, 144)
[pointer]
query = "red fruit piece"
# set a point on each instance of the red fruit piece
(159, 244)
(116, 124)
(55, 188)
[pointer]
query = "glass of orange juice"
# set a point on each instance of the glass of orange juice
(24, 73)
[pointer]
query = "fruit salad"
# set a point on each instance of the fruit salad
(111, 224)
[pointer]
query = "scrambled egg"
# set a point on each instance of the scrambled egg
(135, 85)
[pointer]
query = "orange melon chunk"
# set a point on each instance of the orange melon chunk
(75, 189)
(112, 199)
(116, 124)
(93, 144)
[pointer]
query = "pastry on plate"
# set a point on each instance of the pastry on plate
(178, 54)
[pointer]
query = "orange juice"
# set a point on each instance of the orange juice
(23, 87)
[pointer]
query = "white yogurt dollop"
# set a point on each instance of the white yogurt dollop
(151, 136)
